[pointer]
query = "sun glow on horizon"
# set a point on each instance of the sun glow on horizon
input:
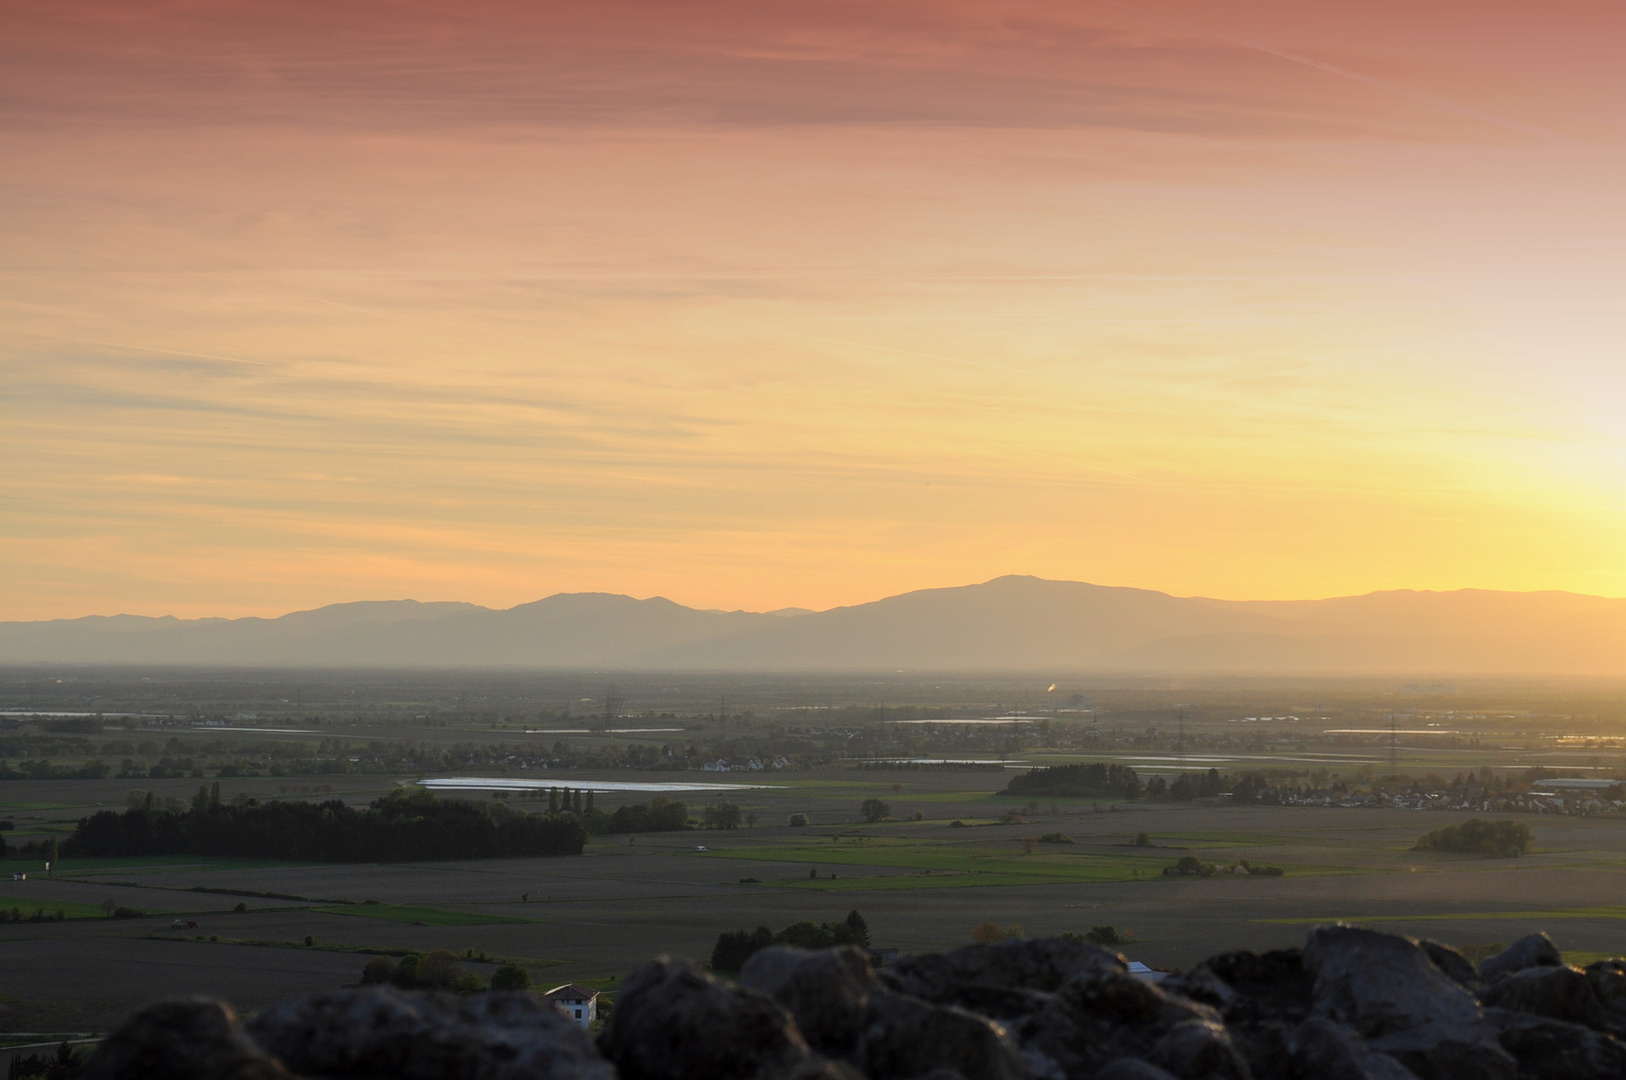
(761, 307)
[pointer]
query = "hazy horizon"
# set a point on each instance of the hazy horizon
(789, 609)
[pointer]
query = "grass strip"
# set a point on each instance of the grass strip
(71, 909)
(428, 916)
(359, 950)
(1613, 912)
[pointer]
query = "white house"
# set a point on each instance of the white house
(579, 1002)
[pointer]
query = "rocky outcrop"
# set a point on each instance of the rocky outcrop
(1353, 1004)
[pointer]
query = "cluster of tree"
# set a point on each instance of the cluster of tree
(67, 1063)
(1097, 780)
(40, 915)
(724, 816)
(735, 947)
(1102, 935)
(1187, 786)
(439, 970)
(400, 827)
(659, 814)
(1495, 839)
(44, 770)
(1191, 866)
(874, 810)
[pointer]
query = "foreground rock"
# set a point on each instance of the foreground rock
(1353, 1004)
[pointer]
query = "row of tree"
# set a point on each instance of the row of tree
(400, 827)
(1099, 780)
(735, 947)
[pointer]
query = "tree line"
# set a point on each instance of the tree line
(401, 827)
(735, 947)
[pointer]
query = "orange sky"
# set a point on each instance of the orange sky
(765, 304)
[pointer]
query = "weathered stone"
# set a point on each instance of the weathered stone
(1559, 993)
(959, 975)
(1452, 962)
(1388, 990)
(673, 1022)
(1199, 1050)
(1104, 1014)
(182, 1040)
(1608, 981)
(1324, 1050)
(844, 1011)
(1532, 950)
(1549, 1049)
(905, 1037)
(1272, 985)
(1201, 984)
(827, 991)
(378, 1034)
(1133, 1069)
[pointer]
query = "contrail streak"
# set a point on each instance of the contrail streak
(149, 348)
(1381, 84)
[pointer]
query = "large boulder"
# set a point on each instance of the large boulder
(1451, 961)
(828, 992)
(1559, 993)
(1549, 1049)
(1389, 991)
(182, 1040)
(844, 1011)
(905, 1037)
(1324, 1050)
(1251, 987)
(674, 1022)
(1199, 1050)
(1101, 1015)
(1608, 980)
(378, 1034)
(1007, 979)
(1532, 950)
(1133, 1069)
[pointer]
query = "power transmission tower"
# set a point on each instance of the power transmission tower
(1394, 746)
(613, 704)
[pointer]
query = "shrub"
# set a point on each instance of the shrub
(511, 977)
(1108, 935)
(380, 969)
(1055, 838)
(874, 810)
(988, 933)
(128, 913)
(1143, 840)
(798, 820)
(1492, 839)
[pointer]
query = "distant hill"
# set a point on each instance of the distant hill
(1008, 624)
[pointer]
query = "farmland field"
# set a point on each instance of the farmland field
(955, 851)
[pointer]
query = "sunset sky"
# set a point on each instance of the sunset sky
(763, 304)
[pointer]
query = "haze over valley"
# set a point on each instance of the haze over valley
(1007, 624)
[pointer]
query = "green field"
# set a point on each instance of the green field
(926, 864)
(1616, 912)
(70, 908)
(143, 864)
(413, 915)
